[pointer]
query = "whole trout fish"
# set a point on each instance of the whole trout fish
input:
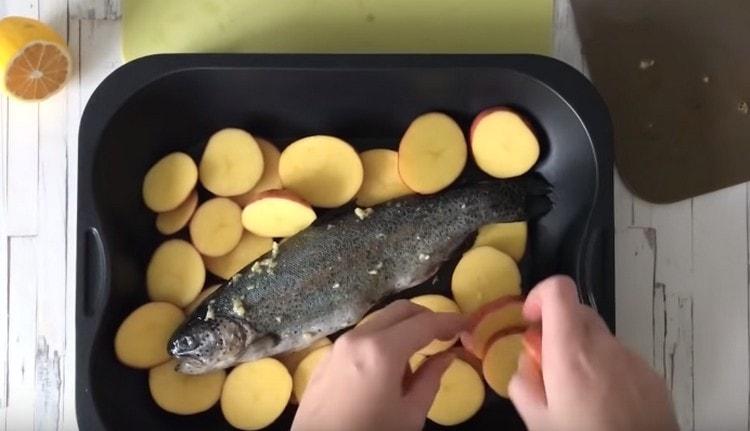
(328, 276)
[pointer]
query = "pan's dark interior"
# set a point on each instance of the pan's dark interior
(180, 107)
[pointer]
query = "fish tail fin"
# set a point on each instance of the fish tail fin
(538, 202)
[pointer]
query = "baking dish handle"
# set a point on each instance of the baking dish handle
(594, 289)
(94, 271)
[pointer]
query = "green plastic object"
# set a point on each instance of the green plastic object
(336, 26)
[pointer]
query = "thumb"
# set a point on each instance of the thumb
(526, 390)
(426, 381)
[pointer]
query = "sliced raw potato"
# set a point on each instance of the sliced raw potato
(216, 227)
(438, 304)
(169, 182)
(510, 238)
(141, 340)
(248, 250)
(502, 143)
(501, 361)
(292, 359)
(205, 293)
(467, 357)
(532, 343)
(184, 394)
(432, 153)
(277, 214)
(306, 368)
(460, 396)
(482, 275)
(256, 393)
(171, 222)
(323, 170)
(270, 179)
(175, 273)
(382, 181)
(232, 163)
(497, 316)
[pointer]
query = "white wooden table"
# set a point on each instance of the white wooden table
(681, 270)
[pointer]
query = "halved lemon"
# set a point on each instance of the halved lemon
(34, 61)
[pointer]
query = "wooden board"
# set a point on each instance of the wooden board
(675, 76)
(336, 26)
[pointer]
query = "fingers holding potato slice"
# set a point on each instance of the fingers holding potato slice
(232, 163)
(323, 170)
(216, 227)
(169, 182)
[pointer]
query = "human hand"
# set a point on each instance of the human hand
(589, 381)
(365, 382)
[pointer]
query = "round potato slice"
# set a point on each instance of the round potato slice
(171, 222)
(292, 359)
(502, 143)
(460, 396)
(216, 227)
(256, 393)
(270, 179)
(205, 293)
(501, 361)
(306, 368)
(169, 182)
(141, 341)
(509, 238)
(323, 170)
(248, 250)
(432, 153)
(382, 181)
(184, 394)
(232, 163)
(438, 304)
(277, 214)
(175, 273)
(482, 275)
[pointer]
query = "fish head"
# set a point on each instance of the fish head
(205, 345)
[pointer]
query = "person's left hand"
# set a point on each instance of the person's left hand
(365, 382)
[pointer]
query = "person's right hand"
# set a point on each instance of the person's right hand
(589, 381)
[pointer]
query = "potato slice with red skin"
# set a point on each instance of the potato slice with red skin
(323, 170)
(169, 182)
(382, 181)
(173, 221)
(232, 163)
(492, 318)
(501, 361)
(250, 248)
(184, 394)
(432, 153)
(277, 213)
(532, 343)
(141, 340)
(205, 293)
(216, 227)
(510, 238)
(270, 179)
(482, 275)
(175, 273)
(502, 143)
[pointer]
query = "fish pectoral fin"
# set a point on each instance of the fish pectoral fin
(261, 347)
